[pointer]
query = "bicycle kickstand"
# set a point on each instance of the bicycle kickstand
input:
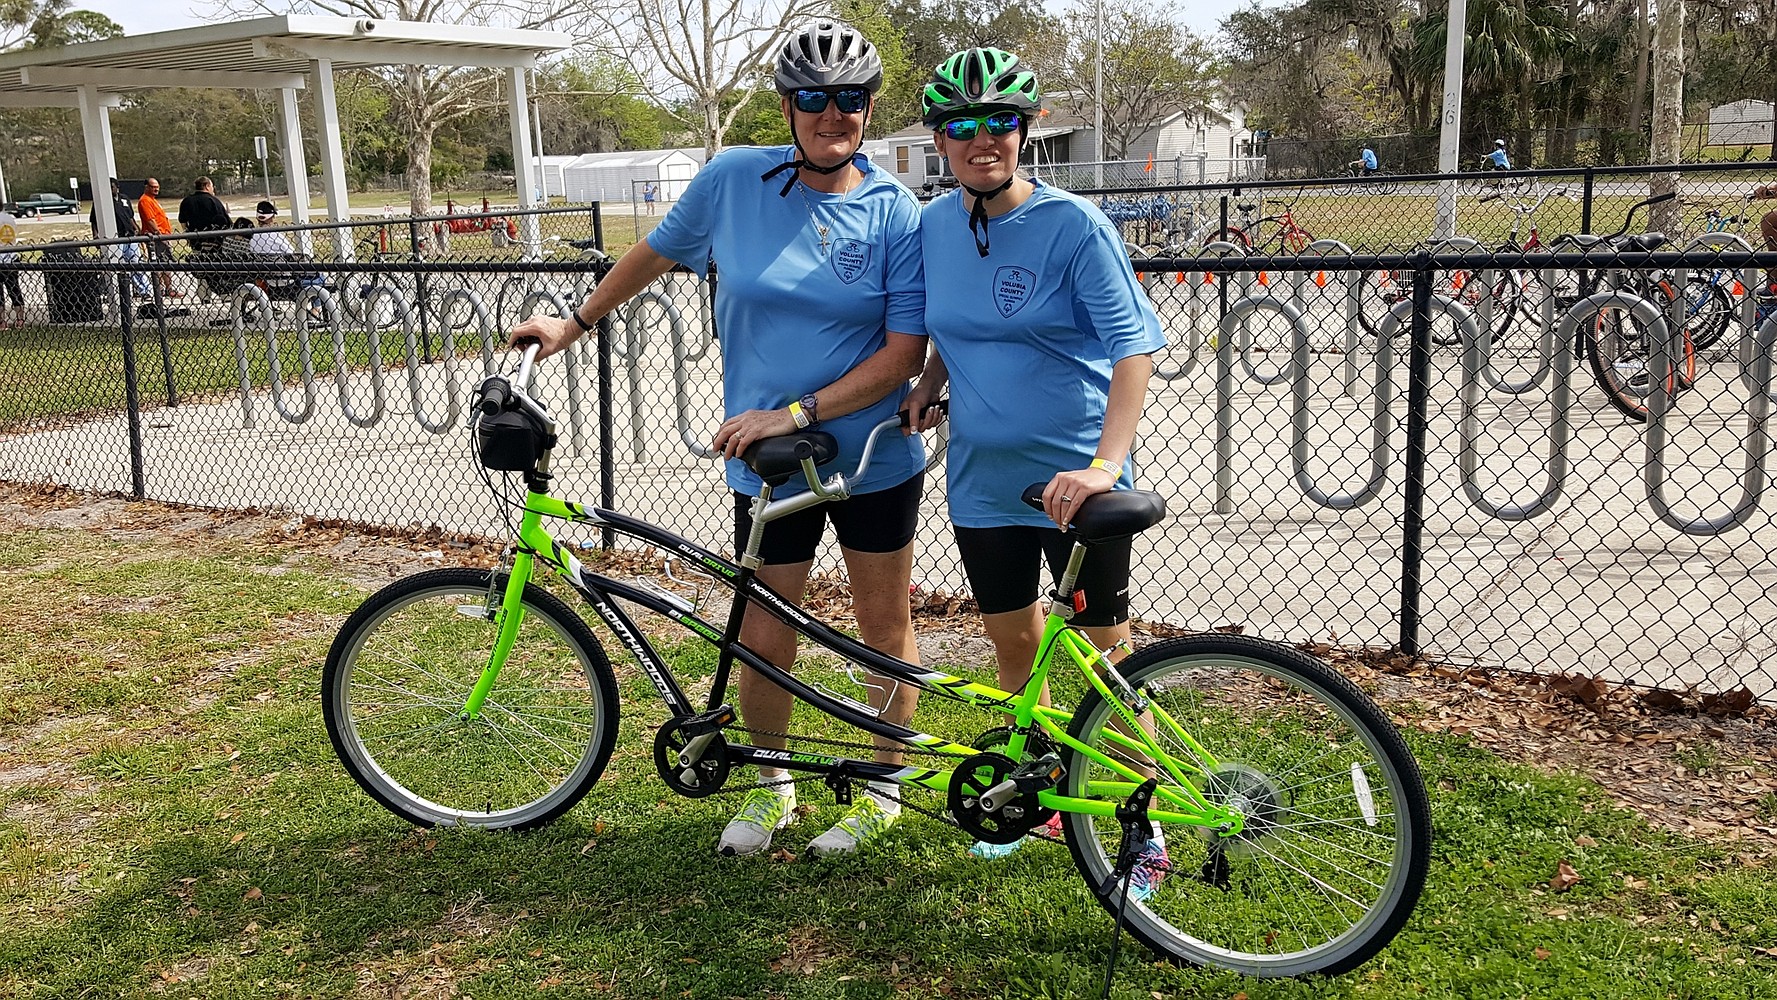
(1132, 816)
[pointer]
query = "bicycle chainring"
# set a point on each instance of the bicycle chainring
(973, 777)
(705, 776)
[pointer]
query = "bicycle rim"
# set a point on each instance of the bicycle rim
(1621, 363)
(1337, 832)
(396, 681)
(1708, 308)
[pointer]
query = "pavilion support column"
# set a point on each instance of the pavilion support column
(333, 162)
(296, 174)
(529, 232)
(95, 124)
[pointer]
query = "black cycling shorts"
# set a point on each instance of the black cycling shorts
(1002, 565)
(883, 521)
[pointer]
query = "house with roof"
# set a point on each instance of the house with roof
(619, 176)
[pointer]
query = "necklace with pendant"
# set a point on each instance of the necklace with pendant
(822, 230)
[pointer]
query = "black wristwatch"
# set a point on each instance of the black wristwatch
(808, 404)
(584, 326)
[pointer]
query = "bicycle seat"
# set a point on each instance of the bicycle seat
(1644, 241)
(776, 459)
(1582, 241)
(1103, 517)
(1247, 208)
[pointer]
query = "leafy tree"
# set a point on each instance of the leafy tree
(1153, 66)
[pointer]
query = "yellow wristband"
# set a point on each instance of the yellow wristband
(1108, 466)
(797, 415)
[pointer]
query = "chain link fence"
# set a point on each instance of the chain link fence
(1549, 457)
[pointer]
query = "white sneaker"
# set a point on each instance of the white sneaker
(864, 820)
(762, 813)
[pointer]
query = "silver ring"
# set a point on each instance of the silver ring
(1067, 499)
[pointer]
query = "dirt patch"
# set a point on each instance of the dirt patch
(1701, 763)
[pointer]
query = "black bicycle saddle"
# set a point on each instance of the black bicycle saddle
(1106, 516)
(776, 459)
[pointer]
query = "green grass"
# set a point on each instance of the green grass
(173, 822)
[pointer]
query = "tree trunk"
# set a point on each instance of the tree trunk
(1668, 108)
(419, 168)
(712, 126)
(1642, 52)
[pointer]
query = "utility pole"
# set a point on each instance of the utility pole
(1098, 99)
(1450, 122)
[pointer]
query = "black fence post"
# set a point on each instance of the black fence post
(419, 285)
(1418, 426)
(1586, 202)
(607, 430)
(160, 320)
(598, 226)
(131, 392)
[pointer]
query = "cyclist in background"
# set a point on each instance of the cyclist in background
(1366, 162)
(1497, 160)
(1767, 227)
(822, 312)
(1046, 342)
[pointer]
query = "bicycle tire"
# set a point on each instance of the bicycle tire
(1709, 308)
(1288, 734)
(1617, 350)
(1383, 288)
(417, 638)
(1232, 234)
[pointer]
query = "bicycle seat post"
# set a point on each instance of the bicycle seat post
(1061, 602)
(749, 559)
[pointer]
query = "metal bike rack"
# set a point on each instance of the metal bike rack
(1756, 373)
(453, 406)
(1193, 337)
(274, 368)
(480, 316)
(682, 391)
(1558, 340)
(1545, 348)
(342, 365)
(637, 336)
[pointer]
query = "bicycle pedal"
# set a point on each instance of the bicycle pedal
(701, 723)
(1038, 775)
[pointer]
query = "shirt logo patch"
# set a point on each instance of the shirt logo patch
(1011, 289)
(850, 258)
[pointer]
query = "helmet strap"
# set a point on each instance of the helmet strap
(978, 214)
(802, 163)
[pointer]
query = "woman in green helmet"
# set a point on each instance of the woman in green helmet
(1045, 341)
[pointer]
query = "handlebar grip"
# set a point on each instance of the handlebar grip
(495, 391)
(942, 406)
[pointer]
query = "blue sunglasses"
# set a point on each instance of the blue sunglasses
(851, 100)
(998, 123)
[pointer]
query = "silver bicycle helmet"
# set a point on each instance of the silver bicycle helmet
(825, 55)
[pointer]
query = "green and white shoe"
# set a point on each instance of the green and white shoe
(762, 813)
(864, 820)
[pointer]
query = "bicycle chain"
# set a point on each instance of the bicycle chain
(941, 815)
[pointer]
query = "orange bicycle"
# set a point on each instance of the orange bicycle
(1287, 236)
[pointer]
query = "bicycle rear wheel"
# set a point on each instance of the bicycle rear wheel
(398, 676)
(1337, 832)
(1708, 307)
(1618, 350)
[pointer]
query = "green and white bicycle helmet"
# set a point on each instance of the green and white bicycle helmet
(976, 81)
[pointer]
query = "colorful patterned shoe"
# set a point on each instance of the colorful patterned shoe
(863, 821)
(1151, 868)
(762, 813)
(1050, 830)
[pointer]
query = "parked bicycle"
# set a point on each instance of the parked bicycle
(1286, 234)
(1294, 817)
(1619, 344)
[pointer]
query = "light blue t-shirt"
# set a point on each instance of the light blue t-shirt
(1500, 159)
(1029, 334)
(794, 317)
(1369, 157)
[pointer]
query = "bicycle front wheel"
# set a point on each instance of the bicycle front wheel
(1337, 830)
(399, 675)
(1621, 361)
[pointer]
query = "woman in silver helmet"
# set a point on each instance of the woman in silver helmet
(821, 305)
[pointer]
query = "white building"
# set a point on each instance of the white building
(912, 157)
(1742, 123)
(619, 176)
(546, 177)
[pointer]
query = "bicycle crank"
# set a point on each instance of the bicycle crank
(972, 779)
(695, 775)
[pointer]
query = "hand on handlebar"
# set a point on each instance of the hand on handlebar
(922, 411)
(741, 431)
(553, 334)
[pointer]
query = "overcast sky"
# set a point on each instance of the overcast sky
(141, 17)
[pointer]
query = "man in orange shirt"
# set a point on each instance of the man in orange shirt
(155, 221)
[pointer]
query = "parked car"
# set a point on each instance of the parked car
(44, 203)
